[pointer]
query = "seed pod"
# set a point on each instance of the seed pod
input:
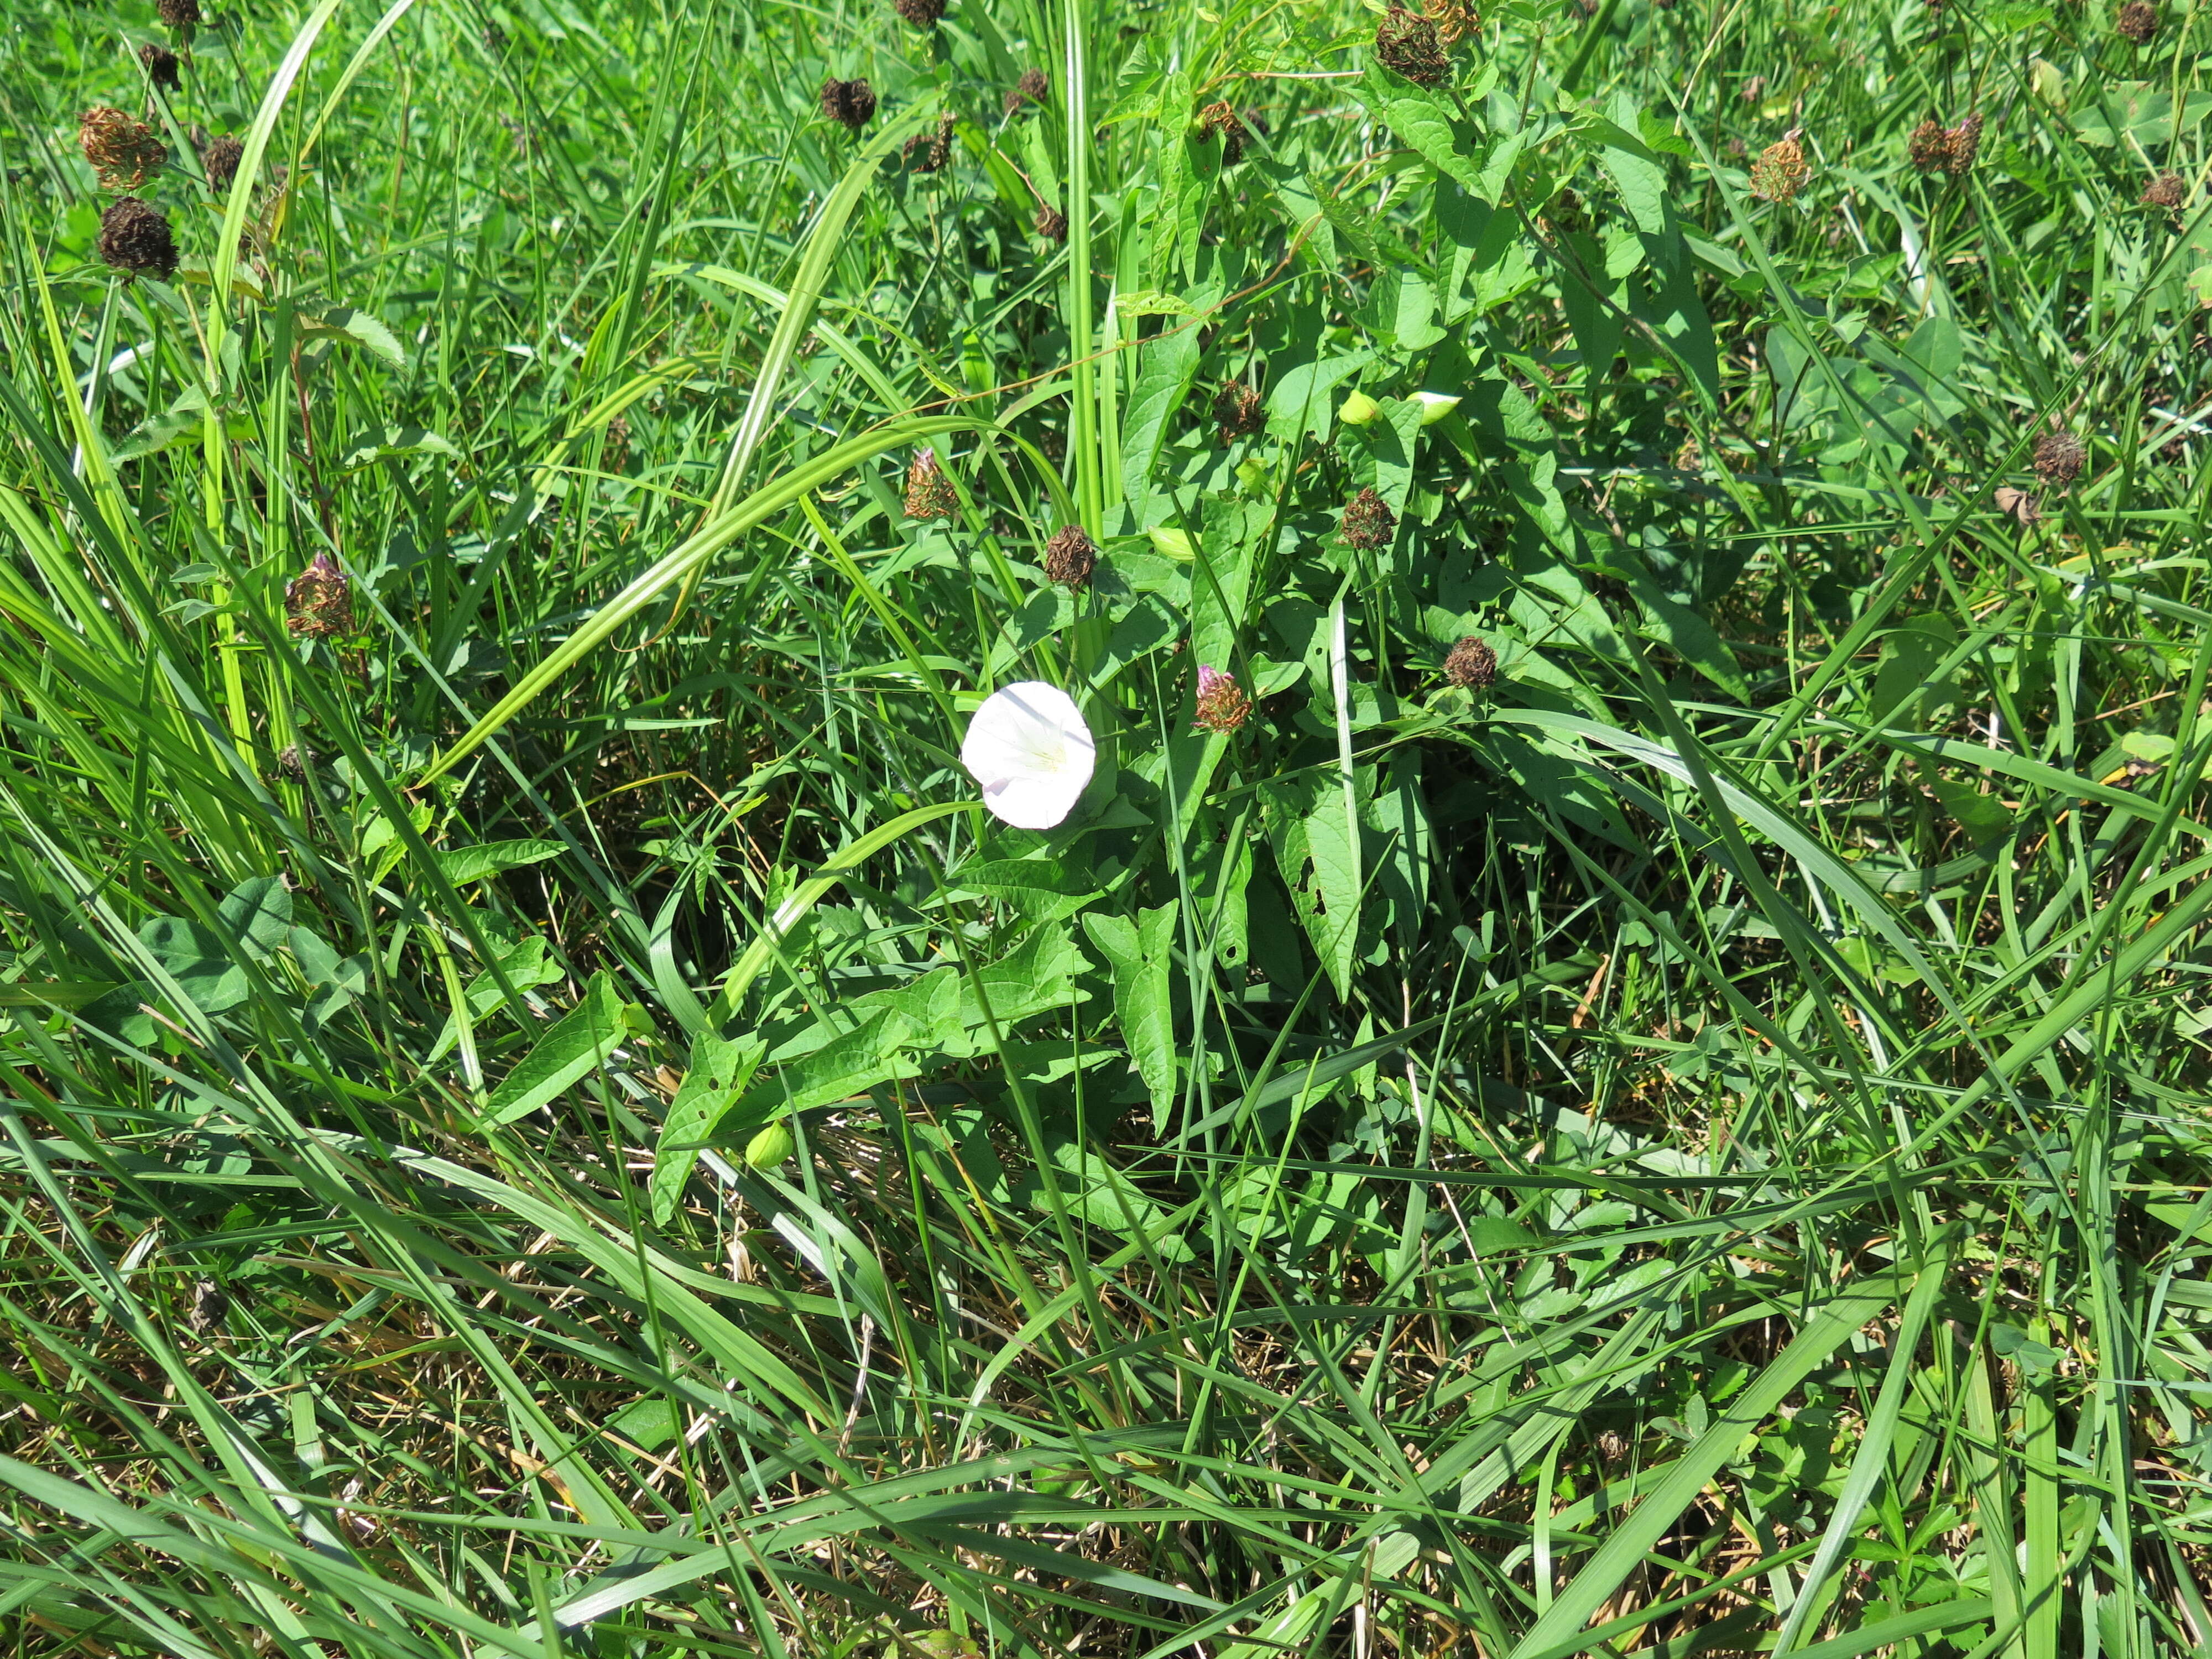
(1070, 558)
(1409, 44)
(1964, 143)
(929, 494)
(1237, 412)
(161, 66)
(122, 151)
(2058, 458)
(134, 237)
(1218, 120)
(851, 104)
(922, 14)
(1929, 149)
(318, 601)
(179, 13)
(1051, 224)
(2167, 190)
(1368, 521)
(1033, 88)
(2138, 21)
(1780, 172)
(928, 152)
(771, 1147)
(1472, 663)
(1221, 706)
(220, 159)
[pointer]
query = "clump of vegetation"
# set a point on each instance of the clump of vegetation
(1352, 833)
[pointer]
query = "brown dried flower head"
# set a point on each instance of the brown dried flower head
(2138, 21)
(922, 14)
(1033, 88)
(1455, 19)
(1368, 521)
(851, 104)
(161, 66)
(1218, 120)
(1222, 707)
(1471, 663)
(928, 152)
(221, 158)
(2058, 458)
(122, 151)
(134, 237)
(179, 13)
(1929, 149)
(1410, 45)
(318, 601)
(2167, 190)
(1070, 558)
(1780, 172)
(1051, 223)
(929, 493)
(1965, 144)
(1237, 412)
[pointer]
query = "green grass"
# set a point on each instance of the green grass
(1698, 1146)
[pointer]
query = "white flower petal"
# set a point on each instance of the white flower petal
(1029, 748)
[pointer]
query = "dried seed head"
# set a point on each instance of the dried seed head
(209, 1304)
(851, 104)
(1033, 88)
(292, 760)
(2058, 458)
(1965, 143)
(922, 14)
(1070, 558)
(1690, 458)
(220, 157)
(1929, 149)
(318, 601)
(1051, 224)
(1566, 213)
(1217, 120)
(2138, 21)
(122, 151)
(1455, 19)
(928, 152)
(1237, 412)
(1410, 45)
(929, 493)
(179, 13)
(1221, 706)
(1368, 521)
(616, 451)
(1471, 663)
(2167, 190)
(161, 66)
(134, 237)
(1780, 172)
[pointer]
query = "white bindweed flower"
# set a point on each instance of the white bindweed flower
(1029, 748)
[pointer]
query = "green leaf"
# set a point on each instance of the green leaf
(197, 960)
(716, 1078)
(463, 864)
(355, 327)
(387, 442)
(1141, 958)
(258, 913)
(579, 1045)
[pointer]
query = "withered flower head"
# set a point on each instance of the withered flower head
(1410, 45)
(2167, 190)
(1237, 412)
(928, 152)
(1033, 88)
(122, 151)
(1051, 223)
(2017, 505)
(1218, 120)
(922, 14)
(851, 104)
(929, 493)
(318, 601)
(1780, 172)
(1221, 706)
(2138, 21)
(1471, 663)
(134, 237)
(1070, 558)
(1929, 149)
(161, 66)
(1565, 212)
(2058, 458)
(1368, 521)
(179, 13)
(221, 158)
(1965, 143)
(1455, 19)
